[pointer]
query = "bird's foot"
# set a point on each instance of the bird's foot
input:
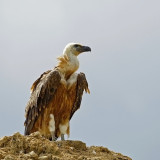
(53, 136)
(62, 137)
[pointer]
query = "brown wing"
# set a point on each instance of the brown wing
(43, 90)
(38, 80)
(82, 85)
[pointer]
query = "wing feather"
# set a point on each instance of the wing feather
(82, 85)
(43, 90)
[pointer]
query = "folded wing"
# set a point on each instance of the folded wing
(42, 91)
(82, 85)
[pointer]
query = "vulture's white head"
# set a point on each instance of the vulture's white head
(75, 49)
(68, 62)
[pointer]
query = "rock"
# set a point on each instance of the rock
(43, 158)
(36, 147)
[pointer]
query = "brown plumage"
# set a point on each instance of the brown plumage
(56, 95)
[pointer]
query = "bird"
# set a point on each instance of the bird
(56, 95)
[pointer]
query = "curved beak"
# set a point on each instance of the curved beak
(86, 48)
(81, 49)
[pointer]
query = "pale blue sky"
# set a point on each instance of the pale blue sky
(122, 111)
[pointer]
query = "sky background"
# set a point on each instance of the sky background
(123, 70)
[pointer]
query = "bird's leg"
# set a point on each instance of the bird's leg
(62, 137)
(53, 136)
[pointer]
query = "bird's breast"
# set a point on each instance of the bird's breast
(68, 83)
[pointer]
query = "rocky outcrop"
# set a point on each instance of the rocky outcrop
(36, 147)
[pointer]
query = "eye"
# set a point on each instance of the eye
(76, 45)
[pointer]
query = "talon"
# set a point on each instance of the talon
(53, 136)
(62, 137)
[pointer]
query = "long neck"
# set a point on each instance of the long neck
(68, 64)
